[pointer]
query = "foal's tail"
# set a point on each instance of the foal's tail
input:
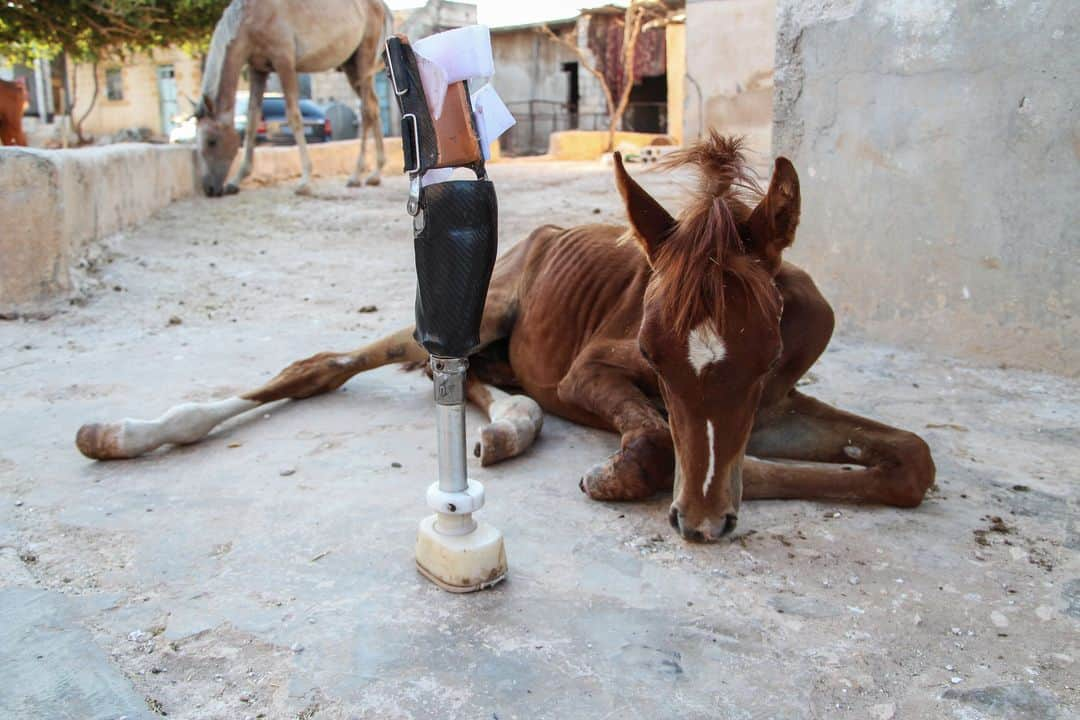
(190, 422)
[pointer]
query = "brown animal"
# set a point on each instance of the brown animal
(687, 341)
(287, 37)
(13, 101)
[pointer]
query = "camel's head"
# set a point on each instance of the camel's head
(218, 143)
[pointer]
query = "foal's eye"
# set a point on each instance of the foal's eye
(211, 142)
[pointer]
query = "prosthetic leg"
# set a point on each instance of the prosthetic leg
(454, 228)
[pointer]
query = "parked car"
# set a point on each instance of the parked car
(274, 127)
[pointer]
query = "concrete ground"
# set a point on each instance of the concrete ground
(268, 572)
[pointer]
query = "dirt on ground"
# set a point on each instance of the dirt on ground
(268, 573)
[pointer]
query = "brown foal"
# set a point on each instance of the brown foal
(684, 335)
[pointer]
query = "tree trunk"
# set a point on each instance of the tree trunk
(69, 103)
(631, 32)
(93, 101)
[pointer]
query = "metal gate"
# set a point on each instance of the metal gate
(537, 119)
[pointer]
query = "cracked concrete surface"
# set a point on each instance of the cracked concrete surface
(267, 572)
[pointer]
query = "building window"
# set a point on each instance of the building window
(114, 84)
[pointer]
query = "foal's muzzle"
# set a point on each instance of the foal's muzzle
(707, 532)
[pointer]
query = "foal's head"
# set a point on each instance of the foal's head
(711, 323)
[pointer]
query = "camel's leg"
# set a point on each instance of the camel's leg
(191, 422)
(255, 100)
(515, 422)
(369, 105)
(290, 85)
(891, 466)
(358, 70)
(646, 460)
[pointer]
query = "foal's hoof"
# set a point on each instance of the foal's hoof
(303, 190)
(516, 421)
(620, 477)
(101, 441)
(231, 189)
(373, 180)
(354, 182)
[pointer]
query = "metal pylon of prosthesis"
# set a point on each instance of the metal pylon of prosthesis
(453, 549)
(452, 497)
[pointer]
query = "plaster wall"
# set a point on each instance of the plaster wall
(730, 49)
(938, 145)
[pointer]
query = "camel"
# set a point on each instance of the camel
(685, 335)
(287, 37)
(13, 102)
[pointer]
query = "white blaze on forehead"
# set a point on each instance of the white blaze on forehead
(705, 347)
(712, 458)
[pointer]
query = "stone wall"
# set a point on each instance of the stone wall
(939, 151)
(55, 203)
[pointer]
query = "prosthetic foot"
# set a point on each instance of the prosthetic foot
(454, 228)
(454, 550)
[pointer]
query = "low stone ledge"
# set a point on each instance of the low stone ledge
(54, 203)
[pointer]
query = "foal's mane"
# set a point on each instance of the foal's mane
(705, 250)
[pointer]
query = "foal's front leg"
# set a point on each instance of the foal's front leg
(893, 467)
(645, 463)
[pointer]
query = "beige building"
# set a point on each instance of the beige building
(717, 74)
(139, 91)
(549, 88)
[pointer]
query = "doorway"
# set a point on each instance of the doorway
(166, 81)
(573, 93)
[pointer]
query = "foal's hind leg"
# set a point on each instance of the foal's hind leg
(893, 467)
(190, 422)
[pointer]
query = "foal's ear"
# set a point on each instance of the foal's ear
(650, 222)
(773, 222)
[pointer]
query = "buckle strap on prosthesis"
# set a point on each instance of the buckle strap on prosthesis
(455, 240)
